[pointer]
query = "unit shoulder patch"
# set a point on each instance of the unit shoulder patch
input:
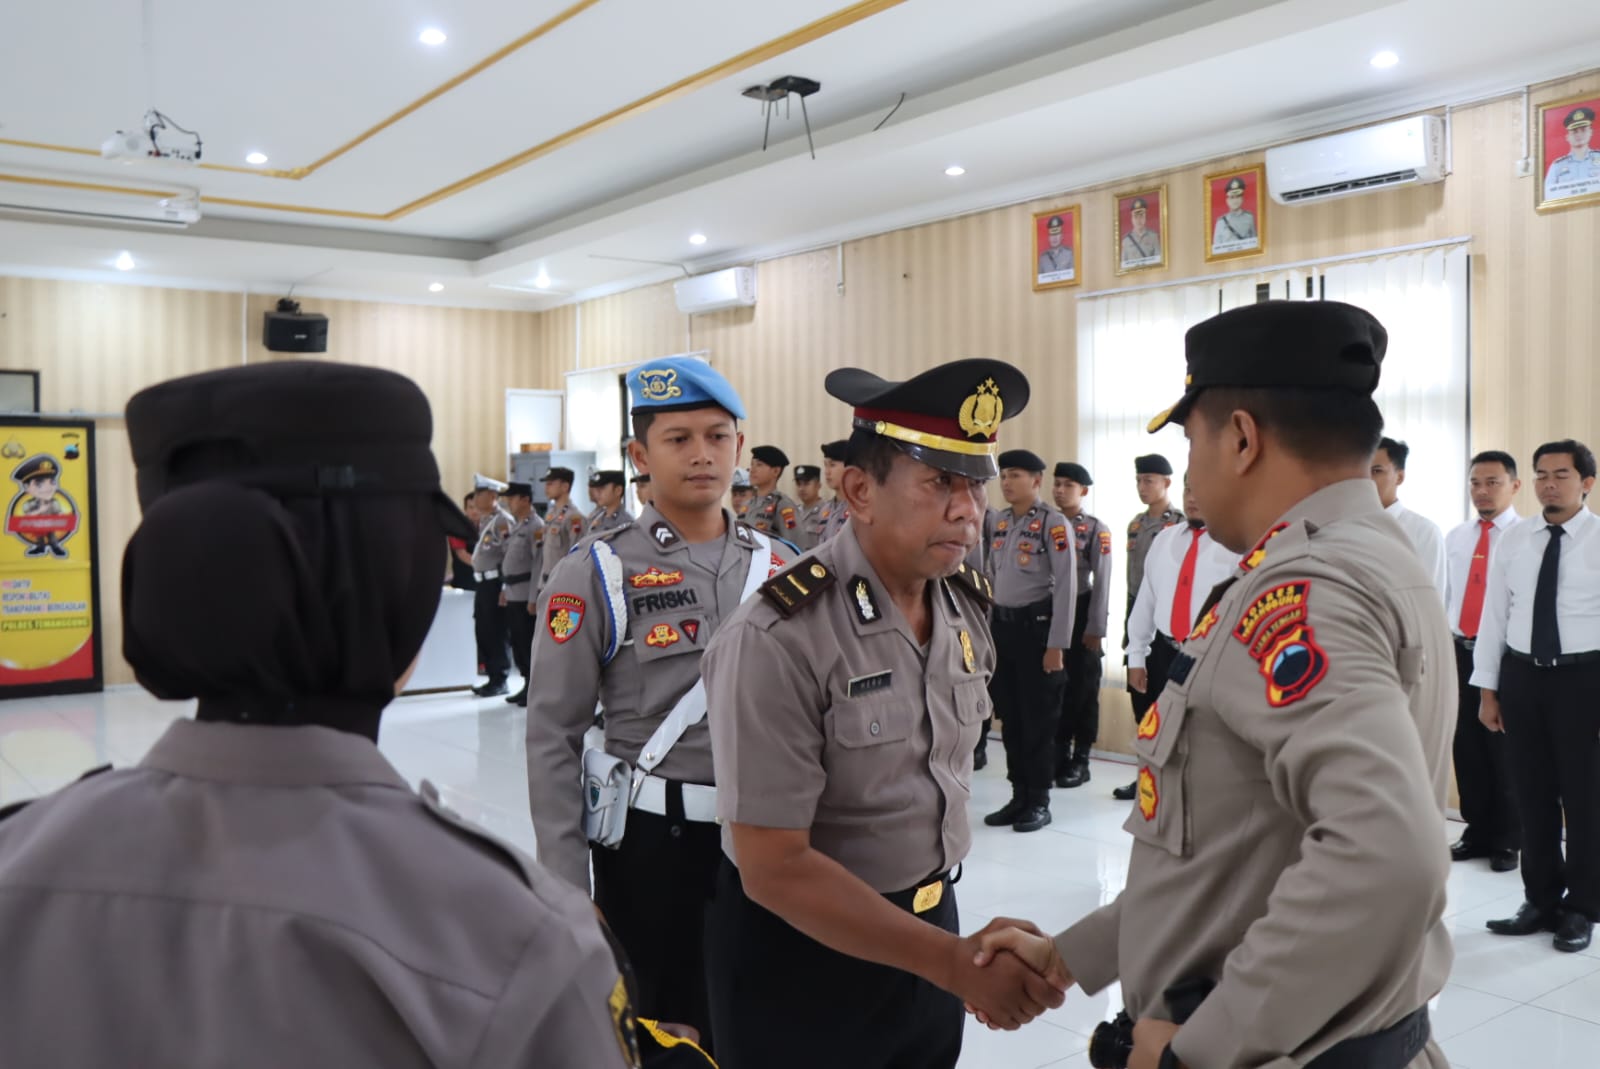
(794, 588)
(1271, 614)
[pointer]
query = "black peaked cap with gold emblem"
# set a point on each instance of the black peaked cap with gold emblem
(1319, 345)
(948, 417)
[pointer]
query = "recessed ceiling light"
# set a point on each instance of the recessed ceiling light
(1384, 60)
(124, 261)
(697, 239)
(542, 281)
(436, 287)
(955, 170)
(256, 158)
(432, 36)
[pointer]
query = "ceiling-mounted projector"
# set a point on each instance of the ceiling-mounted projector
(154, 140)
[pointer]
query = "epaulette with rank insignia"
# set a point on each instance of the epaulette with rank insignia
(976, 582)
(794, 588)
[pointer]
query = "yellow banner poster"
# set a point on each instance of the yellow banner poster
(49, 571)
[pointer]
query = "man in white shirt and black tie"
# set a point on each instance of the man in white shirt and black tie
(1538, 663)
(1483, 776)
(1389, 473)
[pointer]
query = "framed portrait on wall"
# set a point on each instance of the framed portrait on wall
(1057, 236)
(1236, 214)
(1141, 223)
(1569, 165)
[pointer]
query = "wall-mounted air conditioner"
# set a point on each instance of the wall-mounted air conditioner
(1402, 153)
(93, 198)
(733, 288)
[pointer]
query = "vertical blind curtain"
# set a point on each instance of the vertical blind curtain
(1131, 365)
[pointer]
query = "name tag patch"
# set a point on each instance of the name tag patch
(861, 686)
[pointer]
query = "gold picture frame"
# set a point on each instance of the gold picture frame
(1557, 169)
(1230, 233)
(1049, 271)
(1138, 255)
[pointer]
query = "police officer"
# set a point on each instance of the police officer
(1578, 171)
(1080, 698)
(524, 549)
(1236, 228)
(563, 523)
(1389, 474)
(641, 488)
(608, 486)
(488, 607)
(741, 492)
(299, 902)
(1288, 839)
(808, 484)
(1141, 246)
(1057, 258)
(771, 510)
(1153, 473)
(834, 511)
(1033, 564)
(844, 702)
(624, 620)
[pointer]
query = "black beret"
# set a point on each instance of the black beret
(1324, 345)
(770, 455)
(293, 428)
(839, 450)
(1025, 459)
(607, 477)
(807, 473)
(1076, 472)
(562, 474)
(519, 490)
(1151, 464)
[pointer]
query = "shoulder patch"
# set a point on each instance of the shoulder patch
(1058, 535)
(974, 582)
(794, 588)
(1254, 558)
(1271, 614)
(1105, 543)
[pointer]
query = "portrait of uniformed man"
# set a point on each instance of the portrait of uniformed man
(1576, 172)
(1235, 230)
(1055, 237)
(1286, 891)
(1140, 223)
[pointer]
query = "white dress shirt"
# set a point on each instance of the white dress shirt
(1458, 547)
(1426, 539)
(1513, 577)
(1152, 610)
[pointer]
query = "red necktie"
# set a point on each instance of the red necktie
(1181, 616)
(1477, 580)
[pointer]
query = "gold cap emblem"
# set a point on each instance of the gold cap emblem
(982, 412)
(659, 385)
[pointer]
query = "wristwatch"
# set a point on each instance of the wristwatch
(1169, 1059)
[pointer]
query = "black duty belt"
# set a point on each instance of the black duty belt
(927, 894)
(1591, 657)
(483, 577)
(1007, 614)
(1393, 1048)
(513, 580)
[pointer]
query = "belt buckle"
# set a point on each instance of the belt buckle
(928, 896)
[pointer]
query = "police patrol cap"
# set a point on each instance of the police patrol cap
(741, 479)
(1235, 184)
(1579, 117)
(608, 477)
(1022, 459)
(679, 383)
(1151, 464)
(39, 467)
(839, 451)
(558, 475)
(807, 473)
(1139, 205)
(1076, 472)
(770, 455)
(519, 490)
(484, 482)
(1054, 223)
(948, 417)
(1286, 344)
(293, 429)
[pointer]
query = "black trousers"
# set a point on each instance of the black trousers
(489, 626)
(1552, 722)
(1080, 698)
(1026, 698)
(1158, 665)
(782, 1000)
(654, 889)
(1483, 770)
(519, 626)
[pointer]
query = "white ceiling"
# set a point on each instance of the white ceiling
(1031, 96)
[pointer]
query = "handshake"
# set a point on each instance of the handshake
(1008, 973)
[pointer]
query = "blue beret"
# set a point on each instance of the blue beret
(681, 382)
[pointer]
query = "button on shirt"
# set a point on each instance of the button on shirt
(1459, 546)
(1033, 558)
(1152, 610)
(1425, 537)
(1513, 575)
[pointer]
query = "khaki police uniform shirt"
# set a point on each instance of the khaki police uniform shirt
(273, 896)
(834, 514)
(1234, 230)
(1141, 249)
(1289, 830)
(1142, 532)
(493, 531)
(1092, 540)
(563, 526)
(1032, 558)
(524, 548)
(835, 719)
(775, 513)
(1571, 177)
(674, 606)
(812, 519)
(601, 520)
(49, 506)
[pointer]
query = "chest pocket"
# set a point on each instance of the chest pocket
(657, 637)
(1160, 814)
(861, 723)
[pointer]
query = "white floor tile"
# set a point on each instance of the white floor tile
(1527, 1038)
(1029, 1047)
(1581, 998)
(1524, 968)
(1459, 1009)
